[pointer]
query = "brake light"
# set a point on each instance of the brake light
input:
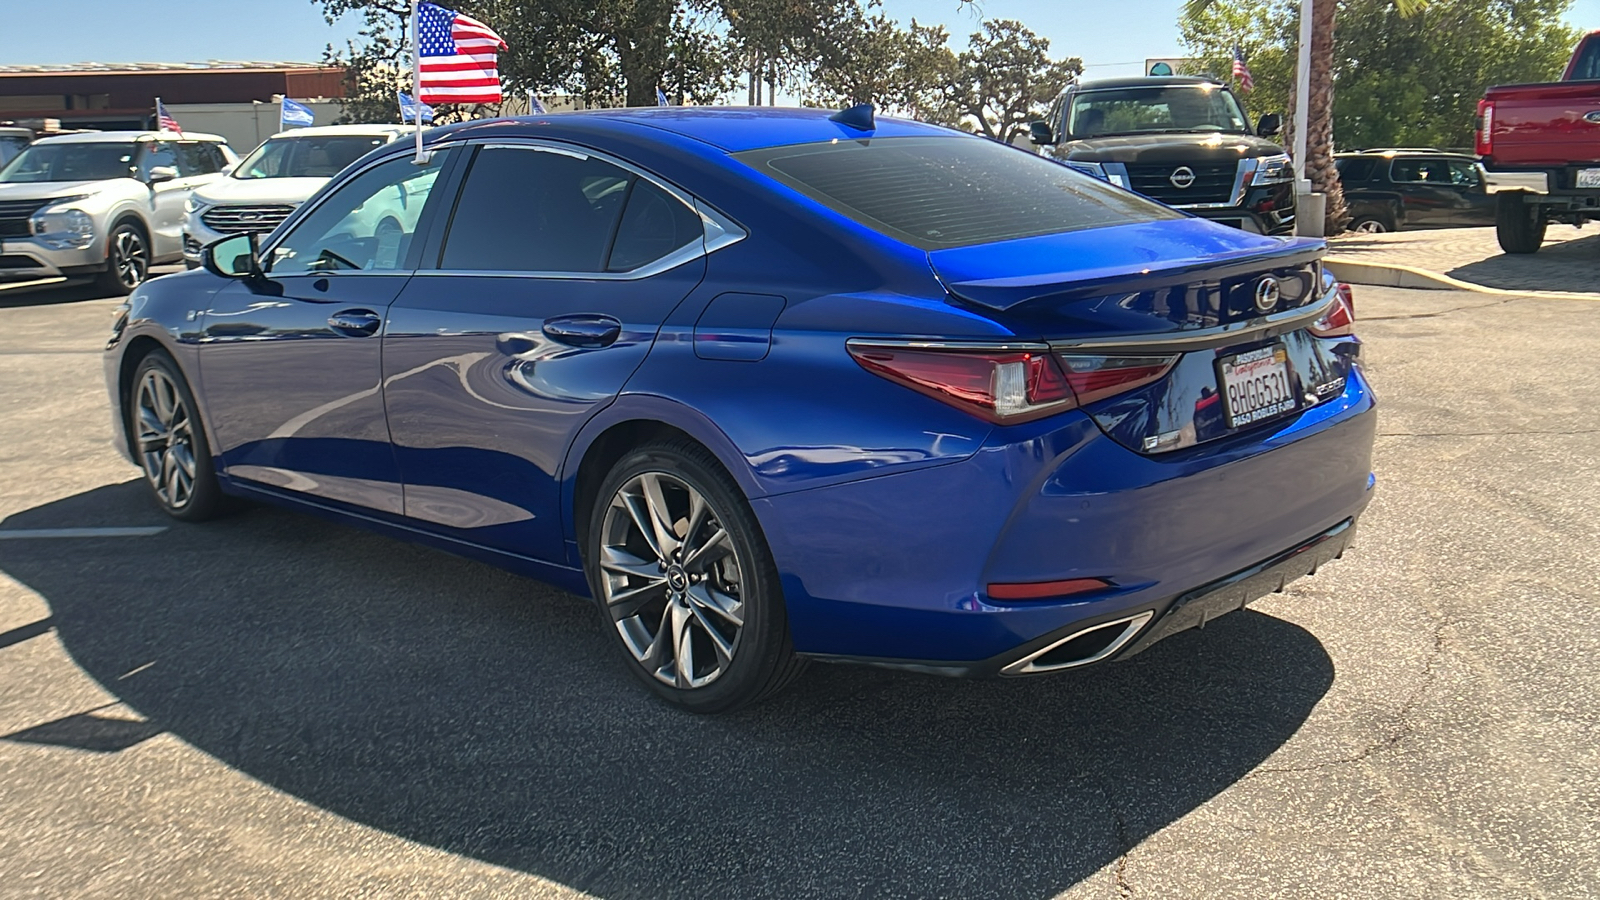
(1001, 386)
(1038, 590)
(1341, 319)
(1485, 127)
(1009, 386)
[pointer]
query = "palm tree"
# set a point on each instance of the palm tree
(1318, 164)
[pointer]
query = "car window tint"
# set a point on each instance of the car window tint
(1588, 65)
(1421, 169)
(368, 224)
(193, 160)
(1353, 169)
(214, 153)
(1463, 173)
(157, 153)
(526, 210)
(654, 224)
(936, 192)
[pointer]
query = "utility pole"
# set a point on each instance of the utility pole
(1310, 209)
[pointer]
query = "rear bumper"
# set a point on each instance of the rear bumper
(895, 569)
(1551, 189)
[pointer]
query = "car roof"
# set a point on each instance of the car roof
(730, 128)
(375, 130)
(103, 137)
(1148, 81)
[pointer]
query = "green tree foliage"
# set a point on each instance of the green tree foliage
(1403, 80)
(1006, 78)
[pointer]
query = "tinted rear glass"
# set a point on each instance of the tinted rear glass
(939, 192)
(1355, 168)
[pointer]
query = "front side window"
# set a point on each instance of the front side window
(939, 192)
(1587, 67)
(367, 225)
(536, 210)
(71, 161)
(1421, 170)
(155, 154)
(1154, 110)
(313, 156)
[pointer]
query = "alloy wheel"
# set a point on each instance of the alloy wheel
(129, 258)
(165, 439)
(1370, 226)
(671, 580)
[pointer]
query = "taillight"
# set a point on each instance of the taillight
(1485, 127)
(1008, 386)
(1341, 319)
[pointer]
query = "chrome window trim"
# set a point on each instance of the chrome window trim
(720, 231)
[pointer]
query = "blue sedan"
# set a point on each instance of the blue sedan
(773, 386)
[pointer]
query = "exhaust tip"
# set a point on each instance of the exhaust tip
(1090, 645)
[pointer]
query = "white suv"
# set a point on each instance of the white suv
(275, 178)
(104, 204)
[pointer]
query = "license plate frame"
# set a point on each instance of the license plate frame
(1256, 385)
(1588, 178)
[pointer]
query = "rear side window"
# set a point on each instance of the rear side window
(526, 210)
(940, 192)
(194, 160)
(1353, 169)
(1421, 169)
(654, 224)
(1587, 67)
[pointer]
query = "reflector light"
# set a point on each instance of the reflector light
(1038, 590)
(1341, 319)
(1485, 127)
(1098, 377)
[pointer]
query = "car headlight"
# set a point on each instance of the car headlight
(1273, 170)
(194, 204)
(1114, 173)
(63, 229)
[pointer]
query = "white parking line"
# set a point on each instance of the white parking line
(24, 534)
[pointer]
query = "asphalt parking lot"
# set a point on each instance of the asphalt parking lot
(276, 706)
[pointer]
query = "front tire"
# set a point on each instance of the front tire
(127, 260)
(685, 582)
(169, 440)
(1370, 225)
(1519, 226)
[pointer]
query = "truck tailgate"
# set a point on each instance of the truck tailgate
(1545, 124)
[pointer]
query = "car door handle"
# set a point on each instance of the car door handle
(583, 330)
(355, 322)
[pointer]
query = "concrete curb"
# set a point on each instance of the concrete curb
(1389, 275)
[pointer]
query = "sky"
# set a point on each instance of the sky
(1113, 37)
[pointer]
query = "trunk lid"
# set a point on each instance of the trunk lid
(1189, 293)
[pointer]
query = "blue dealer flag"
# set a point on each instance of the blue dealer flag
(292, 113)
(408, 109)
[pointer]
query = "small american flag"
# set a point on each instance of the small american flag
(164, 121)
(456, 57)
(1241, 72)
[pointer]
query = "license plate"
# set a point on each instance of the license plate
(1255, 385)
(1589, 178)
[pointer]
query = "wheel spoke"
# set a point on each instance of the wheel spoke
(682, 645)
(660, 516)
(621, 562)
(718, 642)
(655, 656)
(729, 608)
(629, 601)
(716, 547)
(634, 504)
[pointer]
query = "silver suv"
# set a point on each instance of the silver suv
(104, 205)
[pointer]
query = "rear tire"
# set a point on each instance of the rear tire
(1519, 226)
(1369, 224)
(685, 583)
(168, 439)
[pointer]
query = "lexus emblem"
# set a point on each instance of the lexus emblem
(1181, 177)
(1593, 117)
(1268, 293)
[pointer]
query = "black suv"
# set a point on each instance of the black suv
(1183, 141)
(1387, 190)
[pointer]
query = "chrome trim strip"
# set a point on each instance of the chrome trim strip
(947, 345)
(1201, 339)
(1131, 626)
(1500, 182)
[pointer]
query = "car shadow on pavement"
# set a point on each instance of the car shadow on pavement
(1571, 265)
(454, 704)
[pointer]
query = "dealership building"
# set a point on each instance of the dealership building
(238, 100)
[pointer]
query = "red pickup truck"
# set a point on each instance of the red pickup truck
(1540, 148)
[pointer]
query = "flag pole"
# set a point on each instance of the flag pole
(416, 82)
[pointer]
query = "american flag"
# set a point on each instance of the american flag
(456, 57)
(164, 121)
(1241, 72)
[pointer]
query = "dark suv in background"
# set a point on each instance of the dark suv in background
(1186, 142)
(1391, 189)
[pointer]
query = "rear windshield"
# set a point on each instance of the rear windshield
(939, 192)
(1355, 168)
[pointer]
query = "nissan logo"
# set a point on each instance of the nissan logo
(1181, 177)
(1268, 292)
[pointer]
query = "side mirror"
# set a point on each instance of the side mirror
(159, 174)
(233, 257)
(1269, 125)
(228, 169)
(1040, 133)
